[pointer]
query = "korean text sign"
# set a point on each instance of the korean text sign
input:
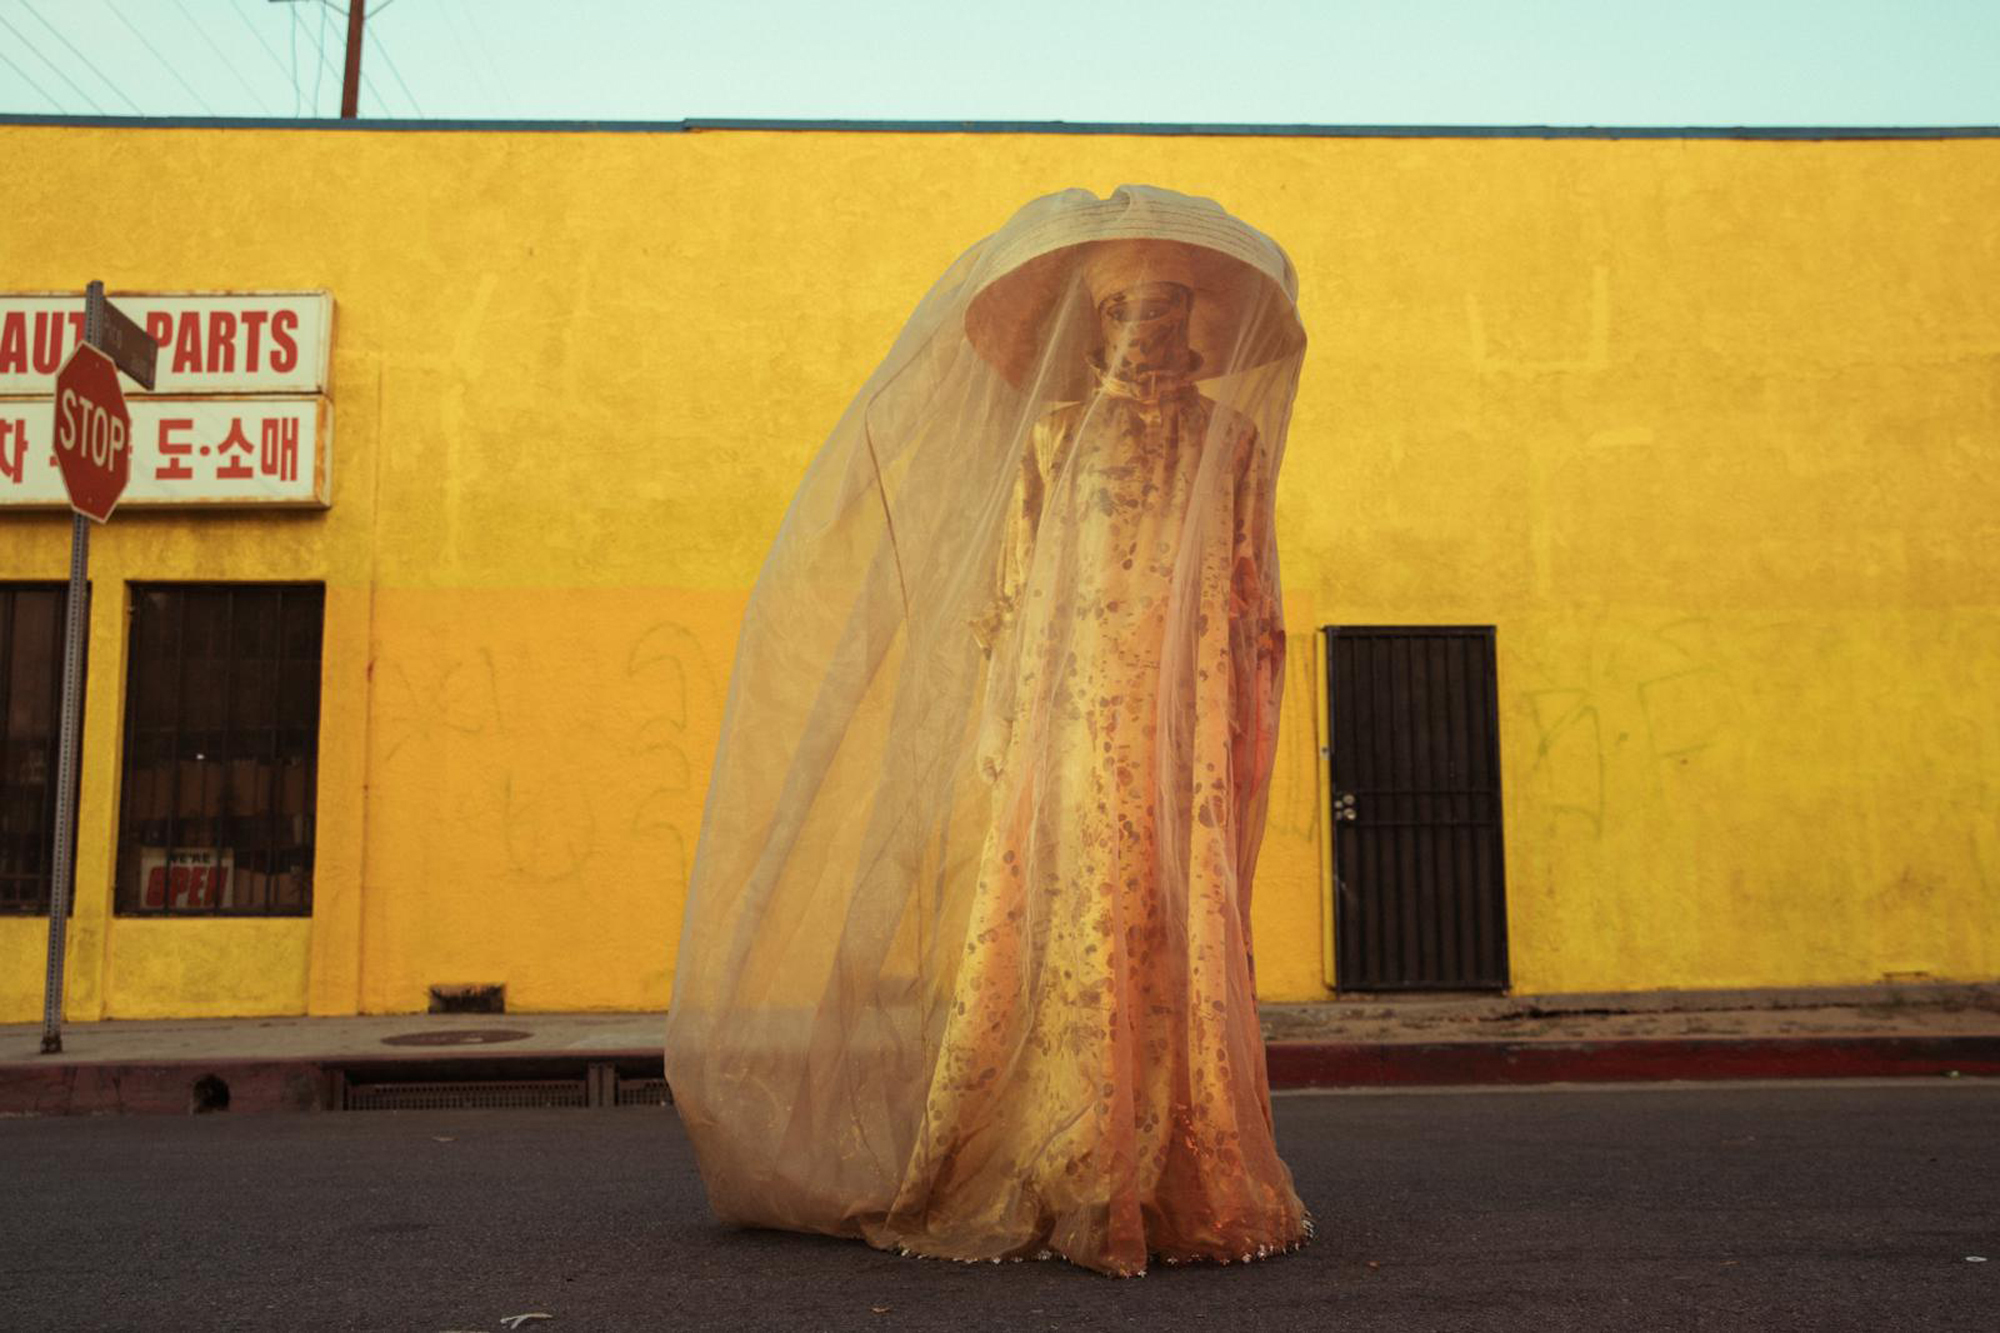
(239, 415)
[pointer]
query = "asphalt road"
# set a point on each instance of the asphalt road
(1729, 1207)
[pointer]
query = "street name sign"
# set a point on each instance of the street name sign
(132, 348)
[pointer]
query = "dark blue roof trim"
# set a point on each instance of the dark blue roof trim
(1033, 127)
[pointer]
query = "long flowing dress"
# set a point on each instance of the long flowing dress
(1133, 1114)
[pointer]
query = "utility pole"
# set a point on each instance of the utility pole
(350, 87)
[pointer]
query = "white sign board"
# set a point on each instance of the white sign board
(210, 342)
(209, 451)
(200, 877)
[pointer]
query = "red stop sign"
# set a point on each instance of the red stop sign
(93, 432)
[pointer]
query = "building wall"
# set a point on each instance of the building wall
(1705, 428)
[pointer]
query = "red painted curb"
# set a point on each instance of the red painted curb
(1360, 1064)
(167, 1087)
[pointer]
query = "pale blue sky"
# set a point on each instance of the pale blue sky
(1336, 62)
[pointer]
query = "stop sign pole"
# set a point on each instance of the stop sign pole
(93, 448)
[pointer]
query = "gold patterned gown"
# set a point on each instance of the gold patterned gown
(1100, 1090)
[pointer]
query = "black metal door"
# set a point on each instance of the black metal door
(1419, 898)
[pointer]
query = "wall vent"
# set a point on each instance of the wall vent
(478, 997)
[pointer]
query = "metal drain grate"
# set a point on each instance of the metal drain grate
(598, 1086)
(643, 1092)
(459, 1096)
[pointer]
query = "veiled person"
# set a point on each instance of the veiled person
(966, 969)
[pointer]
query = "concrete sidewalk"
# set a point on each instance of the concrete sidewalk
(297, 1063)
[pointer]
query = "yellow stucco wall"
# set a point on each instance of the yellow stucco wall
(1705, 428)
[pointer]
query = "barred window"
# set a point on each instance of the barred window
(221, 750)
(31, 653)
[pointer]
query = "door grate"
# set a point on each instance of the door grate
(1414, 761)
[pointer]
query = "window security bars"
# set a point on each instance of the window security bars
(31, 651)
(221, 750)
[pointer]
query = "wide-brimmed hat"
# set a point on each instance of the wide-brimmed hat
(1076, 247)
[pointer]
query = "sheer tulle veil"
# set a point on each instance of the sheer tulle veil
(835, 888)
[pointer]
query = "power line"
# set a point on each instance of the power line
(87, 62)
(374, 13)
(319, 47)
(368, 86)
(322, 62)
(381, 102)
(32, 84)
(119, 15)
(235, 4)
(383, 51)
(51, 64)
(465, 55)
(326, 65)
(350, 54)
(209, 42)
(485, 53)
